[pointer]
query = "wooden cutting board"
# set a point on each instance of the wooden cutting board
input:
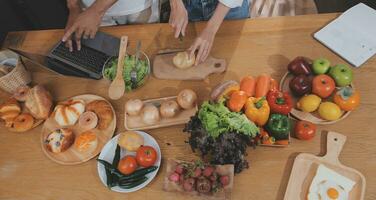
(163, 68)
(305, 166)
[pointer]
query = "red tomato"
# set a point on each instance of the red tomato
(323, 85)
(146, 156)
(305, 130)
(127, 165)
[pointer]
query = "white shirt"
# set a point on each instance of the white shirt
(232, 3)
(123, 7)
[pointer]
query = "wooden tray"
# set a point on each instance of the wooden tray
(311, 117)
(173, 187)
(305, 166)
(72, 156)
(132, 123)
(163, 68)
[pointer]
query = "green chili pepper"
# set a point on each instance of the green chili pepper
(279, 126)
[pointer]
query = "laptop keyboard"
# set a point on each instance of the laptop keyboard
(88, 58)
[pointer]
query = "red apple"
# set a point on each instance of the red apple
(300, 65)
(323, 85)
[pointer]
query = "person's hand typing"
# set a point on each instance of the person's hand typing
(84, 24)
(178, 17)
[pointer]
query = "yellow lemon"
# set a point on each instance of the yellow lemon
(329, 111)
(309, 103)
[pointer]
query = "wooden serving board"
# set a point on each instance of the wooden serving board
(72, 156)
(221, 169)
(311, 117)
(133, 123)
(305, 166)
(163, 68)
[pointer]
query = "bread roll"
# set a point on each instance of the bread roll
(9, 110)
(59, 140)
(22, 123)
(86, 142)
(39, 102)
(130, 140)
(67, 113)
(181, 60)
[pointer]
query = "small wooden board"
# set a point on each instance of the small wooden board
(136, 123)
(72, 156)
(311, 117)
(221, 169)
(305, 166)
(163, 68)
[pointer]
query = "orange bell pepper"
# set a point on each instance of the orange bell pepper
(237, 101)
(257, 110)
(347, 98)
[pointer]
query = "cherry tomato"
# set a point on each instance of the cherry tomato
(146, 156)
(305, 130)
(127, 165)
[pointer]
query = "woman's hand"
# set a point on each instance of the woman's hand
(85, 25)
(178, 17)
(73, 14)
(203, 44)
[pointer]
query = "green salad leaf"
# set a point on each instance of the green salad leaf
(129, 61)
(217, 119)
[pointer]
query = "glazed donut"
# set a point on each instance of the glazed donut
(88, 120)
(22, 123)
(21, 93)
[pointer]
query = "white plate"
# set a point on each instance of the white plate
(108, 153)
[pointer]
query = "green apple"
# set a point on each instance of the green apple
(342, 75)
(321, 66)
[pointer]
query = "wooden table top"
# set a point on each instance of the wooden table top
(250, 47)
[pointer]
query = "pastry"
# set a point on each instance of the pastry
(86, 141)
(9, 110)
(88, 120)
(59, 140)
(22, 123)
(130, 140)
(67, 113)
(38, 102)
(104, 112)
(21, 93)
(181, 60)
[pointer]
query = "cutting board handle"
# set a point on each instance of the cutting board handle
(334, 144)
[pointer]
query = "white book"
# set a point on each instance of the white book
(352, 35)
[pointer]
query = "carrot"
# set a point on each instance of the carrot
(262, 85)
(237, 101)
(282, 142)
(274, 86)
(247, 84)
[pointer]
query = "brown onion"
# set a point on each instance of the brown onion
(187, 98)
(150, 114)
(169, 108)
(133, 106)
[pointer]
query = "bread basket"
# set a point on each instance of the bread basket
(18, 76)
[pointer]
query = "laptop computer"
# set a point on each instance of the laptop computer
(89, 61)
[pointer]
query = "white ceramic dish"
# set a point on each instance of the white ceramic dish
(108, 153)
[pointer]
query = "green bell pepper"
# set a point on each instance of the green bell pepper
(279, 126)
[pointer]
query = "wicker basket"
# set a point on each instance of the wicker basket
(15, 78)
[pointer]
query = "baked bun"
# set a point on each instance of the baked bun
(9, 110)
(130, 140)
(59, 140)
(86, 141)
(181, 60)
(22, 123)
(104, 112)
(21, 93)
(67, 113)
(39, 102)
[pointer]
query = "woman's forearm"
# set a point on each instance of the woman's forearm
(219, 15)
(101, 6)
(73, 5)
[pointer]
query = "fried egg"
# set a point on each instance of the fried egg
(329, 185)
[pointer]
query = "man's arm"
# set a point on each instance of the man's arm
(86, 23)
(204, 42)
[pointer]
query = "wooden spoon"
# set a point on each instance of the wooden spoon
(117, 86)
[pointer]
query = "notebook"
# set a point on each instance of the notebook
(352, 35)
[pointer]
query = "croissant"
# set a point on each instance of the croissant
(103, 111)
(67, 113)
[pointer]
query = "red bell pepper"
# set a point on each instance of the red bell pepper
(279, 102)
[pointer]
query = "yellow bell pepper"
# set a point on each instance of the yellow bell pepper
(257, 110)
